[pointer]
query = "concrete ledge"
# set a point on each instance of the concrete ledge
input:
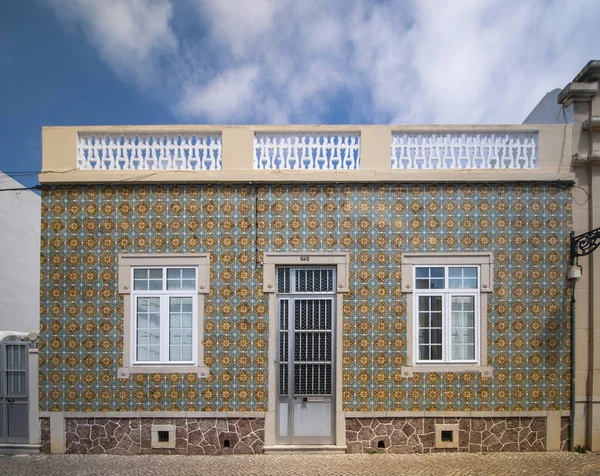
(457, 414)
(18, 449)
(155, 414)
(306, 449)
(304, 176)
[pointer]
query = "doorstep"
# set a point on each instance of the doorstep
(307, 449)
(18, 449)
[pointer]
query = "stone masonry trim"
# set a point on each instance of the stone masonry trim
(417, 435)
(193, 436)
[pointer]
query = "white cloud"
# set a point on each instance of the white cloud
(131, 35)
(225, 96)
(271, 61)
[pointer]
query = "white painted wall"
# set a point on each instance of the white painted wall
(19, 257)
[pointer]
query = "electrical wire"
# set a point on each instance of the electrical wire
(34, 172)
(35, 187)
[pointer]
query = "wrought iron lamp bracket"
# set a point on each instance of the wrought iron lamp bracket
(585, 243)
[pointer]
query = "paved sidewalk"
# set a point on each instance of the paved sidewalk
(434, 464)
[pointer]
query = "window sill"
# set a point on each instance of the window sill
(125, 372)
(485, 370)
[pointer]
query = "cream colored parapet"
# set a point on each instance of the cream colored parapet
(227, 153)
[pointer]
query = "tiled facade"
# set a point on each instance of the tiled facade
(85, 227)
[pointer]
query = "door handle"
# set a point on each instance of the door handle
(10, 400)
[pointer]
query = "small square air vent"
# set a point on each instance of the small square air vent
(163, 436)
(446, 435)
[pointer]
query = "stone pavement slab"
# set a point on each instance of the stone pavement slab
(308, 464)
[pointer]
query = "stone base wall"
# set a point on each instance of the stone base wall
(134, 435)
(45, 435)
(564, 433)
(417, 435)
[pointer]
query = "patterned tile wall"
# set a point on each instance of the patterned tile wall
(84, 228)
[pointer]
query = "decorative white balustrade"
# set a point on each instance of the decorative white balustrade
(307, 151)
(464, 150)
(149, 151)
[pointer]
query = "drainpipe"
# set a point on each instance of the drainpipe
(573, 279)
(574, 275)
(581, 245)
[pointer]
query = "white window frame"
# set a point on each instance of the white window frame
(127, 264)
(447, 293)
(165, 296)
(484, 262)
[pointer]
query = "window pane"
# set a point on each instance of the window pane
(141, 285)
(180, 328)
(148, 328)
(155, 285)
(186, 353)
(142, 353)
(429, 278)
(188, 284)
(437, 272)
(142, 338)
(186, 320)
(154, 322)
(462, 278)
(181, 278)
(430, 327)
(463, 327)
(144, 279)
(189, 273)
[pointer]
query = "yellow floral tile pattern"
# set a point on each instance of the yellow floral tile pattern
(84, 228)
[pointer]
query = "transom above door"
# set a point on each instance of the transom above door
(306, 342)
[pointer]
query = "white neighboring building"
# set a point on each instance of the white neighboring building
(19, 316)
(19, 257)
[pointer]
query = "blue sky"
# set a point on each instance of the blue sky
(93, 62)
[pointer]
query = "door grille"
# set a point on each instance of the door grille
(304, 280)
(312, 346)
(16, 370)
(308, 328)
(312, 379)
(313, 314)
(283, 345)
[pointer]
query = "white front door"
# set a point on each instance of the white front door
(306, 311)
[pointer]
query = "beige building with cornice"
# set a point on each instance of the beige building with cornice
(249, 289)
